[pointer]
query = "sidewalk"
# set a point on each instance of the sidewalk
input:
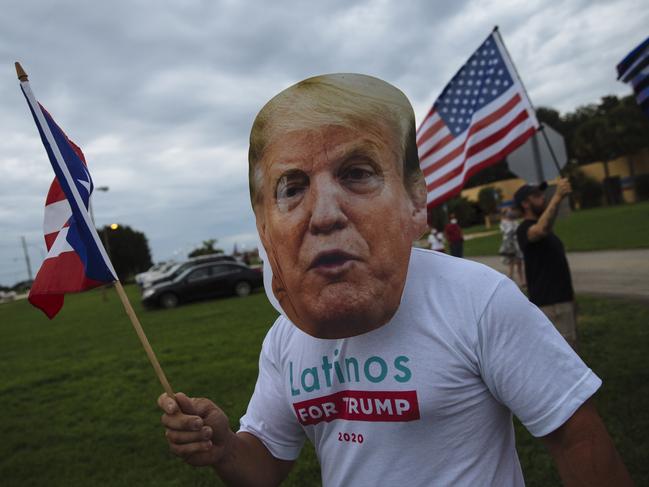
(618, 273)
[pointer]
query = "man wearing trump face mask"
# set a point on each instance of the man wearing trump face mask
(400, 365)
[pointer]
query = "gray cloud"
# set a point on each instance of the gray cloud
(161, 95)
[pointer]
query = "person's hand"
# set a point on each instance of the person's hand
(196, 429)
(563, 188)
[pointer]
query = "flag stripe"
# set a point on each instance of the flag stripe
(439, 139)
(440, 196)
(640, 81)
(642, 95)
(455, 148)
(637, 68)
(441, 158)
(427, 118)
(441, 143)
(632, 57)
(56, 215)
(478, 147)
(485, 154)
(435, 127)
(55, 193)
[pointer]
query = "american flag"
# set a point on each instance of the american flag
(635, 68)
(482, 115)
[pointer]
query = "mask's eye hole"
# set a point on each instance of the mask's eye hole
(360, 176)
(358, 173)
(290, 188)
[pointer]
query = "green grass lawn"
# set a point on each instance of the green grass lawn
(615, 227)
(78, 394)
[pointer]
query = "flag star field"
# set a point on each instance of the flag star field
(483, 79)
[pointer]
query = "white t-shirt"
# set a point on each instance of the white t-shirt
(425, 399)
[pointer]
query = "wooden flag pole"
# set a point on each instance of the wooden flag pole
(143, 339)
(22, 76)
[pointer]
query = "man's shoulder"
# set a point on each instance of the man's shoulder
(441, 263)
(441, 273)
(448, 295)
(281, 332)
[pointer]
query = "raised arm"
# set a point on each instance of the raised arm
(544, 225)
(199, 432)
(584, 452)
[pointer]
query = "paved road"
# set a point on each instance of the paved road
(623, 273)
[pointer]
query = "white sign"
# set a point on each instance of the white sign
(534, 161)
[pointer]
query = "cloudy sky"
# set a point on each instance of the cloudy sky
(161, 94)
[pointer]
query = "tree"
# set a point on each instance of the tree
(490, 174)
(642, 186)
(488, 200)
(586, 191)
(206, 248)
(621, 123)
(128, 250)
(631, 127)
(437, 217)
(463, 210)
(595, 140)
(569, 124)
(549, 116)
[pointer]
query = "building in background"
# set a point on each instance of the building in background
(622, 172)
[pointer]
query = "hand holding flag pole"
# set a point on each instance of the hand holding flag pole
(76, 259)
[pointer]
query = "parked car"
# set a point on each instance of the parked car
(6, 296)
(154, 271)
(172, 272)
(202, 282)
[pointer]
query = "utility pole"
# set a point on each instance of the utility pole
(29, 265)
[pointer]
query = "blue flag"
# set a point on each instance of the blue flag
(634, 68)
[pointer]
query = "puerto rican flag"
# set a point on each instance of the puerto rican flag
(482, 115)
(76, 259)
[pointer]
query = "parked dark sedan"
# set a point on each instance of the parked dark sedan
(175, 270)
(202, 282)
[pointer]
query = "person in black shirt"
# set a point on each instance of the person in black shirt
(546, 267)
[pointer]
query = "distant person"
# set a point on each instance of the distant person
(509, 248)
(546, 267)
(455, 237)
(436, 240)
